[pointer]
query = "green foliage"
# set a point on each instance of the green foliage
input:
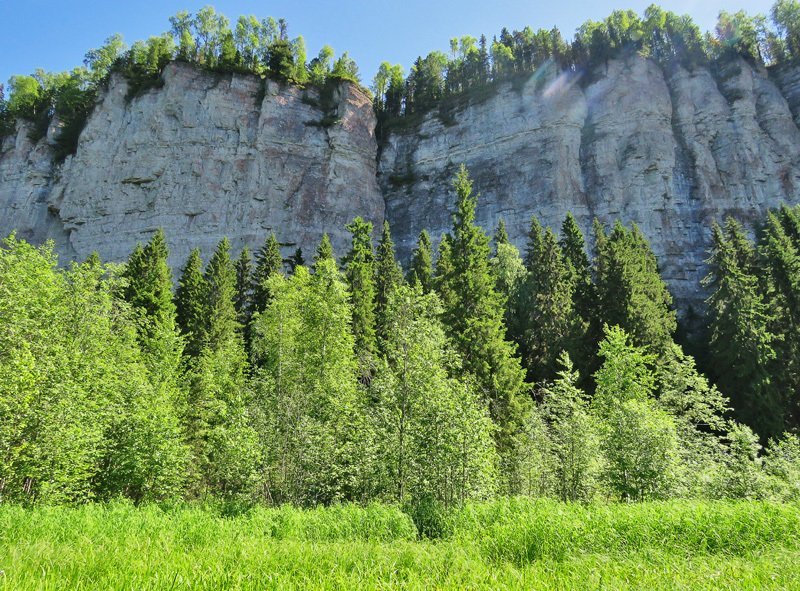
(76, 390)
(544, 320)
(639, 440)
(420, 271)
(313, 431)
(573, 433)
(388, 277)
(473, 316)
(631, 294)
(741, 342)
(268, 262)
(435, 436)
(191, 304)
(359, 269)
(502, 544)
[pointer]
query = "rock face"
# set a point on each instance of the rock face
(671, 151)
(213, 155)
(205, 156)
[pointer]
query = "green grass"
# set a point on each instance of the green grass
(506, 544)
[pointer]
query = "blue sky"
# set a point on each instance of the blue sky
(55, 34)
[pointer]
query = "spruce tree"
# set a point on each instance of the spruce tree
(149, 282)
(359, 269)
(268, 262)
(587, 330)
(781, 256)
(296, 260)
(421, 270)
(221, 323)
(324, 251)
(244, 294)
(500, 235)
(388, 276)
(473, 317)
(191, 303)
(631, 293)
(741, 344)
(507, 269)
(545, 316)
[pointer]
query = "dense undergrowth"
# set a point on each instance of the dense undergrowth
(509, 543)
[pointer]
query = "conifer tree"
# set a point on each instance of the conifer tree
(421, 269)
(741, 343)
(324, 251)
(149, 282)
(500, 235)
(359, 266)
(296, 260)
(545, 317)
(388, 277)
(221, 323)
(244, 293)
(268, 262)
(191, 304)
(508, 271)
(631, 293)
(781, 255)
(218, 426)
(587, 330)
(473, 317)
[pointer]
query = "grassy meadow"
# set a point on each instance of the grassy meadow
(504, 544)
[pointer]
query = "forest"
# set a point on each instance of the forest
(473, 67)
(476, 373)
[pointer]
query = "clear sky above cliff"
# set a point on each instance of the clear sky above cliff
(55, 35)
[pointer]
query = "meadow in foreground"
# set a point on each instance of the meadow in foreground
(508, 543)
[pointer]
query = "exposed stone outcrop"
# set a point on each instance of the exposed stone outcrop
(209, 155)
(671, 151)
(205, 156)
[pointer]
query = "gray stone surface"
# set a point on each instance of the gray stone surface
(205, 156)
(212, 155)
(671, 152)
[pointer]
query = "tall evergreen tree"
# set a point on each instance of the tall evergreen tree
(587, 328)
(149, 282)
(631, 293)
(388, 277)
(544, 316)
(224, 443)
(781, 255)
(421, 270)
(221, 323)
(268, 262)
(244, 292)
(324, 251)
(742, 346)
(473, 316)
(500, 235)
(359, 269)
(191, 303)
(507, 269)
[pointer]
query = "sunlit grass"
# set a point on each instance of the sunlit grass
(506, 544)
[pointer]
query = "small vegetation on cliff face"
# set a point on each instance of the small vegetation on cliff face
(441, 80)
(472, 68)
(206, 39)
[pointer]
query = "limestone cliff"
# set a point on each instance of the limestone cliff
(209, 155)
(205, 156)
(669, 150)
